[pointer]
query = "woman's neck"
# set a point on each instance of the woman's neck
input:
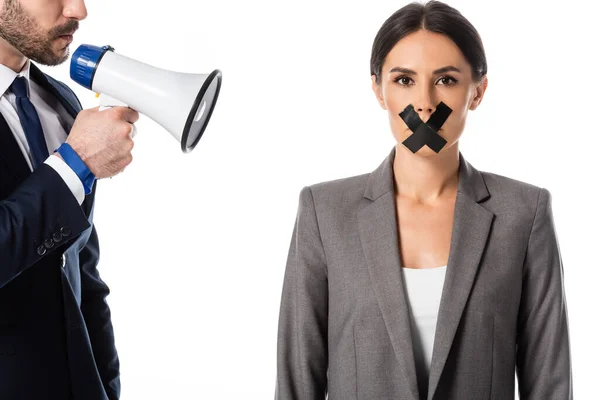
(426, 180)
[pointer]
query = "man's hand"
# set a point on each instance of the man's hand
(102, 139)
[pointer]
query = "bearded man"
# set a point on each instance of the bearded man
(56, 335)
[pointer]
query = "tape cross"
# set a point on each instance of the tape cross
(425, 133)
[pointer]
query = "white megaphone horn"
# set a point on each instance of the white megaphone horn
(181, 102)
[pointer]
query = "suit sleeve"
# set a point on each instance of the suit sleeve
(303, 317)
(68, 175)
(543, 350)
(96, 313)
(31, 216)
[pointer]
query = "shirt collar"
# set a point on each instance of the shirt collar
(7, 76)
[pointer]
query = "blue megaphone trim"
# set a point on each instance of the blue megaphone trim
(84, 62)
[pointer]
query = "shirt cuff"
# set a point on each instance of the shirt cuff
(68, 175)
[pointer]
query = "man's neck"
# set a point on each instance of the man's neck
(11, 57)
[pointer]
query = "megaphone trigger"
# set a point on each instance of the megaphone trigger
(107, 102)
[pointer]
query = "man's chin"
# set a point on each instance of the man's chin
(57, 56)
(63, 59)
(63, 55)
(54, 59)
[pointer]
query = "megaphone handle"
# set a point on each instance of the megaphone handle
(107, 102)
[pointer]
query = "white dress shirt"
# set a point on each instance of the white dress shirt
(55, 122)
(424, 291)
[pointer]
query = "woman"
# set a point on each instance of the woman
(425, 279)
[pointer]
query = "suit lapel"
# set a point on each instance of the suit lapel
(378, 230)
(379, 238)
(64, 95)
(470, 231)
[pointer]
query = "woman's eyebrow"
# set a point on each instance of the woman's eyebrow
(446, 69)
(437, 71)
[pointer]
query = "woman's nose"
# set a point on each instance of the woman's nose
(424, 112)
(423, 104)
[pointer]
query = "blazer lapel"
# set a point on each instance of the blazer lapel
(64, 95)
(380, 240)
(470, 231)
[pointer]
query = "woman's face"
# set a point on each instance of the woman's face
(423, 69)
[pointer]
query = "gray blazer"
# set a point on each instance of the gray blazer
(344, 326)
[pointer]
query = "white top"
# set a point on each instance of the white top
(424, 292)
(53, 117)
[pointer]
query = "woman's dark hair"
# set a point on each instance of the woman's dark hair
(433, 16)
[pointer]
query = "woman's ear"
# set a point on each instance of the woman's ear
(479, 92)
(377, 90)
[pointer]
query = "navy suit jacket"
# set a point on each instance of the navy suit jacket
(56, 335)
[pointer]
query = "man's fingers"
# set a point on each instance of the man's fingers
(131, 115)
(126, 114)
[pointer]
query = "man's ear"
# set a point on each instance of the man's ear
(377, 90)
(479, 92)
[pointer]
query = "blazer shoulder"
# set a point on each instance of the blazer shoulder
(512, 194)
(341, 192)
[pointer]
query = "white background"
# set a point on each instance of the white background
(194, 246)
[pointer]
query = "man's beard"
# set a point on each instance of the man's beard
(23, 32)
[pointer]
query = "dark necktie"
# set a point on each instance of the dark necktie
(30, 122)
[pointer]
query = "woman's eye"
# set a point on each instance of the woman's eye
(447, 80)
(444, 80)
(403, 80)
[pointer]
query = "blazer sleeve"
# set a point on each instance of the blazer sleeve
(302, 334)
(543, 351)
(31, 216)
(96, 313)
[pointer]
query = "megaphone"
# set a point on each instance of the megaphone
(181, 102)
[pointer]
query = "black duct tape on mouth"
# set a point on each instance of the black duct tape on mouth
(425, 133)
